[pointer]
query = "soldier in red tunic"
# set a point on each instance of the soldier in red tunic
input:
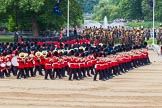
(48, 68)
(30, 65)
(39, 63)
(98, 70)
(73, 67)
(21, 60)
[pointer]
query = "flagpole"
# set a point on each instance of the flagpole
(68, 20)
(153, 22)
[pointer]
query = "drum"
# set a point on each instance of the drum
(8, 64)
(14, 61)
(3, 65)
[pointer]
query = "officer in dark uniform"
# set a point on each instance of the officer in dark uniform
(75, 31)
(16, 35)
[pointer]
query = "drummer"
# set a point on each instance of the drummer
(8, 64)
(14, 63)
(3, 67)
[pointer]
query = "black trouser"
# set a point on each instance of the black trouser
(14, 69)
(4, 73)
(67, 69)
(1, 74)
(110, 72)
(58, 72)
(140, 62)
(73, 71)
(31, 71)
(42, 67)
(101, 75)
(146, 61)
(134, 63)
(116, 70)
(105, 74)
(88, 71)
(26, 72)
(91, 68)
(63, 72)
(10, 70)
(38, 68)
(79, 73)
(96, 73)
(82, 70)
(21, 73)
(122, 69)
(129, 64)
(48, 72)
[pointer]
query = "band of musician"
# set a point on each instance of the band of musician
(77, 62)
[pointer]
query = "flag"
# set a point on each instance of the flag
(151, 3)
(57, 8)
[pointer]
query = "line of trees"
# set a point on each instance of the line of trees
(129, 9)
(37, 15)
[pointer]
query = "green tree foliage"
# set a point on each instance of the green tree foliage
(131, 9)
(3, 21)
(38, 15)
(146, 10)
(11, 24)
(88, 5)
(158, 10)
(107, 8)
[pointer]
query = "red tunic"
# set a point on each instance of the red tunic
(42, 60)
(82, 64)
(36, 60)
(48, 64)
(72, 65)
(21, 63)
(30, 63)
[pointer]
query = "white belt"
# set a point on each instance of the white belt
(47, 64)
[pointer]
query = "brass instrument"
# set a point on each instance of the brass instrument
(38, 54)
(22, 55)
(44, 53)
(26, 55)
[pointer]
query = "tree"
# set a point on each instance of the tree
(146, 10)
(88, 5)
(11, 23)
(131, 9)
(38, 14)
(107, 8)
(158, 10)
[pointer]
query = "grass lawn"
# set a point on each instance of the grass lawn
(149, 42)
(6, 38)
(147, 24)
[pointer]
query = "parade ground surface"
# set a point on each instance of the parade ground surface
(140, 88)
